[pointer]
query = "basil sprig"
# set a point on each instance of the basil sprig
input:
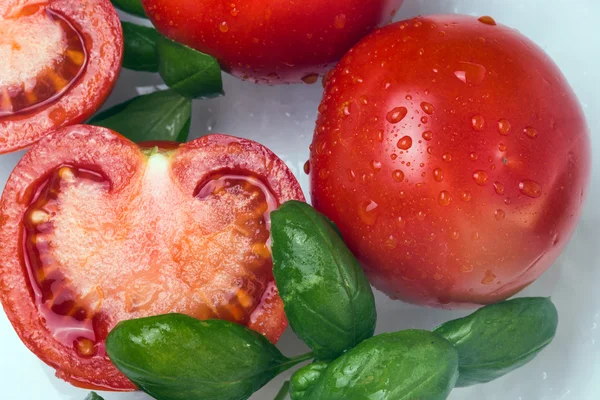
(93, 396)
(140, 47)
(500, 338)
(402, 365)
(163, 115)
(189, 72)
(133, 7)
(328, 300)
(176, 357)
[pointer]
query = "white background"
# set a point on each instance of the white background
(283, 119)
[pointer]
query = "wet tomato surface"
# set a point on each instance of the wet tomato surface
(271, 41)
(96, 230)
(61, 59)
(453, 156)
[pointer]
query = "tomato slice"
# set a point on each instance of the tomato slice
(96, 230)
(63, 59)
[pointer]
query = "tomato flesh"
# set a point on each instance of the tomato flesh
(57, 47)
(94, 254)
(62, 60)
(457, 165)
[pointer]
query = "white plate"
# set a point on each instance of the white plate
(283, 119)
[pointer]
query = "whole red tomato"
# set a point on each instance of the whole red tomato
(453, 156)
(96, 230)
(271, 41)
(59, 60)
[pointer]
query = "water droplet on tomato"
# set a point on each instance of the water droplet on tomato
(480, 177)
(398, 175)
(421, 216)
(429, 150)
(473, 156)
(324, 173)
(401, 223)
(503, 127)
(307, 167)
(310, 79)
(447, 157)
(466, 268)
(466, 195)
(376, 165)
(224, 27)
(445, 198)
(368, 212)
(455, 235)
(340, 21)
(478, 123)
(499, 188)
(424, 120)
(428, 135)
(396, 115)
(499, 214)
(507, 201)
(427, 108)
(470, 73)
(530, 188)
(391, 242)
(351, 175)
(486, 19)
(408, 97)
(364, 100)
(489, 278)
(405, 143)
(502, 147)
(438, 174)
(347, 109)
(437, 276)
(530, 132)
(380, 135)
(475, 236)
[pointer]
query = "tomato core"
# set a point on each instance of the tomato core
(46, 55)
(95, 258)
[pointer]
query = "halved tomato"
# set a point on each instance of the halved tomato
(60, 60)
(96, 230)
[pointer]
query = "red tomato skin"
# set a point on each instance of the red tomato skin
(271, 41)
(119, 161)
(440, 200)
(99, 24)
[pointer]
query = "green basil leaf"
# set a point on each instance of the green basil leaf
(140, 47)
(93, 396)
(406, 365)
(187, 71)
(304, 379)
(176, 357)
(327, 298)
(130, 6)
(501, 337)
(163, 115)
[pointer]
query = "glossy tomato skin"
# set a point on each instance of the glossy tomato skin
(120, 162)
(271, 41)
(98, 25)
(453, 156)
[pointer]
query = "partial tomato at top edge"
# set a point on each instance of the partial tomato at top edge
(457, 165)
(270, 41)
(64, 58)
(96, 230)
